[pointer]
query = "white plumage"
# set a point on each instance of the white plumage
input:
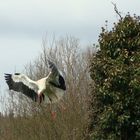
(49, 89)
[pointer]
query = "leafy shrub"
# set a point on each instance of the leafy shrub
(115, 71)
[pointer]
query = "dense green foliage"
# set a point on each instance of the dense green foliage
(115, 71)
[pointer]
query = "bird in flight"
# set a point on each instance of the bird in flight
(49, 89)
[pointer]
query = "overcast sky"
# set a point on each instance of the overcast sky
(23, 23)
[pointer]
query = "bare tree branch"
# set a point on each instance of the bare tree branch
(116, 10)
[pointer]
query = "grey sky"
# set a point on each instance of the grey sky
(23, 23)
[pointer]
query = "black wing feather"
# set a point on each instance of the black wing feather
(55, 72)
(61, 83)
(20, 87)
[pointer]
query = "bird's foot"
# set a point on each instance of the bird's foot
(53, 115)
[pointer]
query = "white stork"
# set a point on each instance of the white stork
(49, 89)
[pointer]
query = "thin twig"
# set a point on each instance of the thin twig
(116, 10)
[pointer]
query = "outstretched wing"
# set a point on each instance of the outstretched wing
(55, 78)
(21, 83)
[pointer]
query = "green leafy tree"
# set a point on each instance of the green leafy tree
(115, 70)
